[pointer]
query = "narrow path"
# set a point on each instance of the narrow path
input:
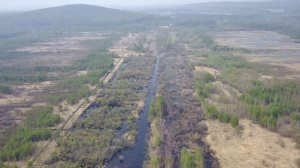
(109, 76)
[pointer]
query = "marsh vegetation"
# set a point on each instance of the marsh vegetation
(73, 88)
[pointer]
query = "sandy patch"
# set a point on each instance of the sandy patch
(228, 90)
(291, 66)
(140, 104)
(62, 44)
(82, 73)
(254, 147)
(289, 70)
(14, 99)
(51, 147)
(121, 48)
(24, 93)
(109, 76)
(266, 77)
(265, 47)
(210, 70)
(123, 52)
(54, 52)
(14, 107)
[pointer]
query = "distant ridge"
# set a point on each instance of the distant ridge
(292, 5)
(72, 17)
(245, 7)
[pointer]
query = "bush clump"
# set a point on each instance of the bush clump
(4, 89)
(42, 116)
(203, 84)
(20, 143)
(186, 160)
(269, 103)
(193, 158)
(234, 121)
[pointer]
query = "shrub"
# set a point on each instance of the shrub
(4, 89)
(160, 104)
(206, 77)
(152, 113)
(74, 88)
(203, 84)
(227, 62)
(224, 117)
(199, 160)
(154, 161)
(269, 102)
(39, 134)
(234, 121)
(157, 108)
(211, 111)
(20, 143)
(255, 112)
(156, 141)
(169, 162)
(186, 160)
(42, 116)
(30, 164)
(295, 116)
(89, 148)
(2, 165)
(227, 118)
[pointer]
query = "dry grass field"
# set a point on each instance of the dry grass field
(264, 56)
(265, 47)
(250, 146)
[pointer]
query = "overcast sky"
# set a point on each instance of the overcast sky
(17, 5)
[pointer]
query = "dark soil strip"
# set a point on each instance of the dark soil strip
(183, 116)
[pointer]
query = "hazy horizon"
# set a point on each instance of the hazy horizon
(19, 5)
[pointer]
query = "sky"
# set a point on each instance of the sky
(24, 5)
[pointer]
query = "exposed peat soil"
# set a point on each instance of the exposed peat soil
(183, 117)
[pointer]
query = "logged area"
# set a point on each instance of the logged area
(207, 85)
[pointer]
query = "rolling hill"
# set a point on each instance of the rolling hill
(245, 8)
(235, 8)
(71, 18)
(282, 16)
